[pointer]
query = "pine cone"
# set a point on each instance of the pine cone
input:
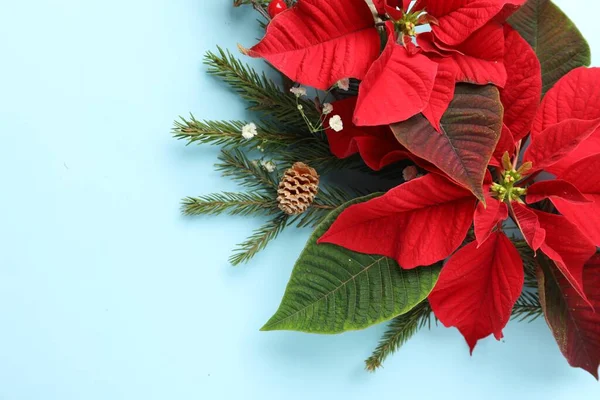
(297, 189)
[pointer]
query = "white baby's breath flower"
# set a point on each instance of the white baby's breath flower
(409, 173)
(344, 84)
(336, 123)
(268, 165)
(298, 91)
(327, 108)
(249, 131)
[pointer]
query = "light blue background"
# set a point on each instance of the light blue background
(106, 292)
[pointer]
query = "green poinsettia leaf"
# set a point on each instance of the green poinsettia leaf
(333, 290)
(556, 40)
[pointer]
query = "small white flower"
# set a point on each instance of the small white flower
(344, 84)
(409, 173)
(298, 91)
(327, 108)
(336, 123)
(268, 165)
(249, 131)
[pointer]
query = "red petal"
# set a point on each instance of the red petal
(478, 288)
(480, 59)
(566, 245)
(575, 96)
(584, 175)
(426, 42)
(575, 327)
(396, 87)
(376, 145)
(458, 19)
(442, 93)
(377, 152)
(528, 223)
(510, 6)
(555, 189)
(556, 141)
(380, 6)
(343, 144)
(405, 222)
(317, 42)
(589, 147)
(395, 8)
(487, 217)
(505, 144)
(523, 90)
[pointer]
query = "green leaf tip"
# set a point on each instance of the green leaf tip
(334, 290)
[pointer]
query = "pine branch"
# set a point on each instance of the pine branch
(399, 331)
(263, 94)
(235, 164)
(229, 134)
(259, 239)
(232, 203)
(528, 307)
(528, 257)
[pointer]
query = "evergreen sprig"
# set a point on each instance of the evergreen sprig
(229, 134)
(236, 164)
(528, 257)
(259, 239)
(255, 203)
(258, 90)
(528, 307)
(399, 331)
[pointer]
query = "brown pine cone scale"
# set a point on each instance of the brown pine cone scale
(297, 189)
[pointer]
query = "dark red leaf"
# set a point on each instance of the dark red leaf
(318, 42)
(478, 288)
(470, 131)
(523, 90)
(575, 326)
(404, 224)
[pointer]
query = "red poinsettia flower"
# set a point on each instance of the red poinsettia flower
(427, 219)
(319, 42)
(520, 99)
(376, 145)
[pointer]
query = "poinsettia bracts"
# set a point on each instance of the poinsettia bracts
(428, 219)
(427, 48)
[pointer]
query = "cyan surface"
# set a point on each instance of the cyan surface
(106, 292)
